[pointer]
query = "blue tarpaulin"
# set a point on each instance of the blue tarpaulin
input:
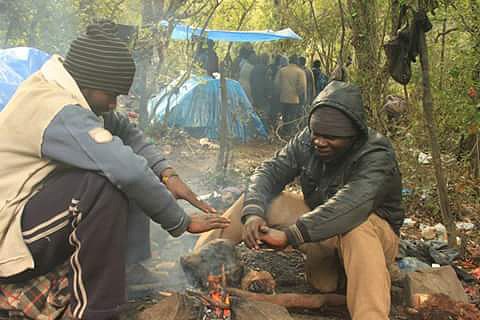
(17, 64)
(196, 107)
(184, 32)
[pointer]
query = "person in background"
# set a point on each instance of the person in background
(70, 167)
(244, 52)
(340, 73)
(212, 59)
(259, 86)
(207, 58)
(319, 77)
(273, 93)
(291, 83)
(311, 89)
(246, 67)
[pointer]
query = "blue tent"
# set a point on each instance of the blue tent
(196, 107)
(184, 32)
(17, 64)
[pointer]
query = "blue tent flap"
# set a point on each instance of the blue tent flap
(184, 32)
(196, 107)
(17, 64)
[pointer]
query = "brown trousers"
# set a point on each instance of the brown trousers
(364, 253)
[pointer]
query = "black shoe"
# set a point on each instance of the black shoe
(142, 282)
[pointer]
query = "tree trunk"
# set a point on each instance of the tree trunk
(363, 15)
(447, 217)
(442, 52)
(145, 56)
(277, 14)
(395, 16)
(341, 54)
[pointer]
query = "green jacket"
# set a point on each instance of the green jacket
(341, 194)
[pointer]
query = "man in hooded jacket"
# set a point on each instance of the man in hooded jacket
(349, 214)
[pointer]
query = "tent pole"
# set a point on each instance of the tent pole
(222, 161)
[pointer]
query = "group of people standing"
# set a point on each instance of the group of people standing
(284, 87)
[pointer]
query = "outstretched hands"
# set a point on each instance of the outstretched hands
(256, 232)
(181, 191)
(202, 222)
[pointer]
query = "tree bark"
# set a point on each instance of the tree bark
(145, 55)
(341, 55)
(442, 52)
(427, 100)
(395, 16)
(363, 15)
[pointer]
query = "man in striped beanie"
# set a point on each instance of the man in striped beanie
(67, 179)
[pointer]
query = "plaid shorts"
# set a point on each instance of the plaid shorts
(45, 297)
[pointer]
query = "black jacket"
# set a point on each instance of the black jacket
(341, 194)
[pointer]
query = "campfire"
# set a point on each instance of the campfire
(217, 301)
(217, 292)
(223, 291)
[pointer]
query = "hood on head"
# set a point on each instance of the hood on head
(346, 98)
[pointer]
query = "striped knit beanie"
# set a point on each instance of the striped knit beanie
(99, 60)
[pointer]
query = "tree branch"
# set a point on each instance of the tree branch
(444, 33)
(342, 41)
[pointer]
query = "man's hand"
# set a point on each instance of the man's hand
(273, 237)
(252, 231)
(202, 222)
(181, 191)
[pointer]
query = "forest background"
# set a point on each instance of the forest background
(331, 30)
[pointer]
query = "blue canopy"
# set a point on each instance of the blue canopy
(184, 32)
(17, 64)
(196, 107)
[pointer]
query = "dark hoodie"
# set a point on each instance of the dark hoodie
(341, 194)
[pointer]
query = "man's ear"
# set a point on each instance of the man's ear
(353, 140)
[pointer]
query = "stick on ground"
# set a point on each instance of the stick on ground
(293, 300)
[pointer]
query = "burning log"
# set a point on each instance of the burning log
(293, 300)
(210, 260)
(206, 300)
(186, 307)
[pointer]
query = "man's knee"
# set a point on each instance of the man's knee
(372, 236)
(285, 209)
(96, 189)
(359, 234)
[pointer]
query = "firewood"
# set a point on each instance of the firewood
(293, 300)
(206, 300)
(258, 281)
(211, 259)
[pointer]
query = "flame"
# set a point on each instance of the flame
(217, 292)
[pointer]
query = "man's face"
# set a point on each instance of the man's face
(328, 147)
(100, 101)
